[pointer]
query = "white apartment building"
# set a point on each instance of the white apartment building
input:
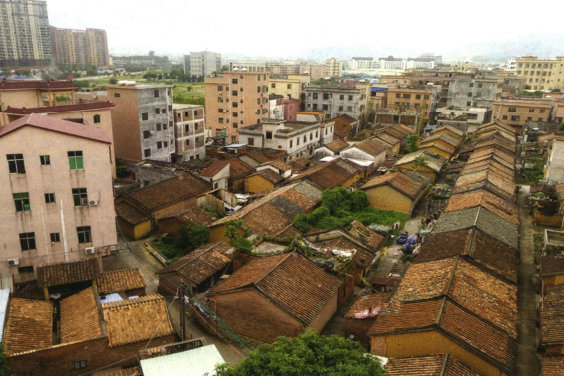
(337, 100)
(296, 138)
(246, 65)
(189, 131)
(202, 64)
(333, 68)
(57, 200)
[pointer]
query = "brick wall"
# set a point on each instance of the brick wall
(169, 225)
(59, 360)
(359, 329)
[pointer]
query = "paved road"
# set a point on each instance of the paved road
(527, 360)
(140, 258)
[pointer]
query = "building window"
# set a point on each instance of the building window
(515, 118)
(289, 86)
(251, 141)
(341, 108)
(220, 120)
(145, 116)
(156, 93)
(186, 127)
(469, 94)
(297, 141)
(146, 134)
(350, 97)
(273, 86)
(157, 111)
(234, 81)
(27, 241)
(315, 106)
(96, 119)
(49, 198)
(291, 143)
(117, 95)
(55, 237)
(480, 86)
(531, 110)
(325, 107)
(325, 96)
(159, 145)
(542, 111)
(16, 163)
(21, 200)
(80, 196)
(540, 119)
(349, 109)
(84, 234)
(311, 136)
(235, 125)
(512, 109)
(76, 161)
(164, 127)
(469, 104)
(159, 127)
(235, 114)
(147, 153)
(504, 117)
(342, 97)
(25, 270)
(45, 160)
(315, 95)
(234, 93)
(258, 89)
(269, 135)
(417, 96)
(220, 88)
(80, 364)
(188, 142)
(235, 104)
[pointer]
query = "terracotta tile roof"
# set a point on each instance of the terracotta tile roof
(169, 191)
(490, 180)
(337, 145)
(298, 164)
(135, 320)
(408, 316)
(402, 181)
(482, 338)
(446, 148)
(500, 153)
(56, 125)
(497, 141)
(552, 365)
(371, 147)
(134, 371)
(394, 133)
(214, 169)
(291, 281)
(489, 164)
(328, 175)
(346, 117)
(482, 219)
(120, 281)
(197, 216)
(452, 129)
(497, 124)
(340, 133)
(368, 302)
(404, 129)
(434, 162)
(551, 265)
(372, 238)
(492, 155)
(202, 263)
(454, 142)
(62, 273)
(130, 214)
(426, 280)
(278, 164)
(270, 176)
(432, 365)
(80, 317)
(92, 106)
(267, 220)
(388, 139)
(39, 85)
(488, 200)
(476, 246)
(257, 156)
(552, 316)
(492, 131)
(29, 326)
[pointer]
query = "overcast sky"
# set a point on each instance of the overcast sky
(315, 29)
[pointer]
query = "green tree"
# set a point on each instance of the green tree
(561, 127)
(420, 162)
(238, 234)
(113, 81)
(309, 354)
(190, 237)
(412, 143)
(122, 172)
(4, 369)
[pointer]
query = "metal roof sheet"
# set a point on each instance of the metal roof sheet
(196, 362)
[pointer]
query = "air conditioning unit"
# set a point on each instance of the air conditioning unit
(89, 250)
(13, 261)
(93, 202)
(113, 248)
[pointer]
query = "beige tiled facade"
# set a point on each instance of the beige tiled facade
(541, 74)
(516, 112)
(236, 100)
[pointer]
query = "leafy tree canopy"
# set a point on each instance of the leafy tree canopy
(190, 237)
(309, 355)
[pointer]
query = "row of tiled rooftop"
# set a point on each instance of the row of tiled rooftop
(459, 297)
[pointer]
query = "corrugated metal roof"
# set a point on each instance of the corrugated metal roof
(196, 362)
(4, 299)
(110, 298)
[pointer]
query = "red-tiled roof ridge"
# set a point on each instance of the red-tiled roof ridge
(57, 125)
(214, 168)
(22, 85)
(183, 261)
(86, 106)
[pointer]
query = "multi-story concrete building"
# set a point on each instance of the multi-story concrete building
(474, 90)
(337, 100)
(235, 100)
(423, 100)
(202, 64)
(333, 68)
(291, 87)
(143, 127)
(275, 107)
(296, 138)
(189, 131)
(57, 203)
(511, 65)
(284, 69)
(25, 37)
(516, 112)
(541, 74)
(247, 64)
(84, 47)
(316, 72)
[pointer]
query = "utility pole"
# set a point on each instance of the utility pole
(181, 297)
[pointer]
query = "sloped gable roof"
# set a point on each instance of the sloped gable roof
(401, 181)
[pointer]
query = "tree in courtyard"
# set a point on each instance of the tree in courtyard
(412, 144)
(190, 237)
(309, 354)
(238, 234)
